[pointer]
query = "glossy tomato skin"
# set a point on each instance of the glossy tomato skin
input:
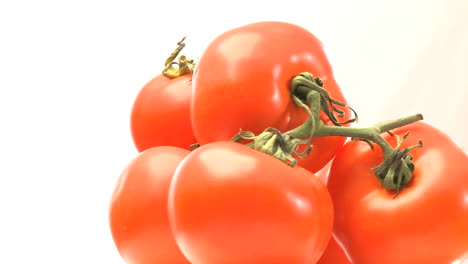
(231, 204)
(426, 222)
(161, 114)
(138, 212)
(242, 81)
(333, 254)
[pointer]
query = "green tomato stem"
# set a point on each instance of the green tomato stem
(308, 93)
(371, 133)
(397, 168)
(305, 84)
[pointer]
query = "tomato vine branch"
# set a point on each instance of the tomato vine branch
(308, 93)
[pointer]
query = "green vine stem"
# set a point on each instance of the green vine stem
(303, 84)
(183, 66)
(308, 93)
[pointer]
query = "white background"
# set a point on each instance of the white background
(69, 71)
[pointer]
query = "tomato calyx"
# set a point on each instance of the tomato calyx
(274, 143)
(397, 168)
(183, 66)
(284, 145)
(305, 85)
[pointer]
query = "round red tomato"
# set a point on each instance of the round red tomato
(138, 213)
(425, 223)
(161, 114)
(229, 204)
(242, 81)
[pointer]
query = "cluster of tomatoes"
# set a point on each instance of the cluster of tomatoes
(195, 195)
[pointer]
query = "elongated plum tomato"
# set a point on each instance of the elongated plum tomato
(427, 222)
(242, 81)
(161, 114)
(138, 214)
(231, 204)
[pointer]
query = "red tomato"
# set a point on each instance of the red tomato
(161, 114)
(138, 212)
(323, 173)
(242, 81)
(427, 222)
(333, 254)
(229, 204)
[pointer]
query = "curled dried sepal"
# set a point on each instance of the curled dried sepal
(303, 84)
(397, 169)
(276, 144)
(364, 140)
(183, 66)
